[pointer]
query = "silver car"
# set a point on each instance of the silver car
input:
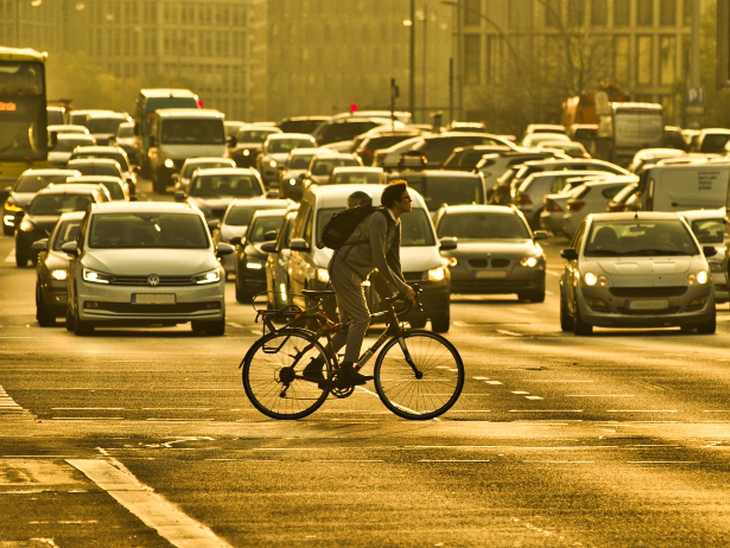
(641, 269)
(709, 227)
(145, 263)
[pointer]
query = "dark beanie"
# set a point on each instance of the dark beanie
(393, 192)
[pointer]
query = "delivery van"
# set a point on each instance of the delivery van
(177, 134)
(685, 186)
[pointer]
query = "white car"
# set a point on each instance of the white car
(64, 146)
(183, 178)
(708, 226)
(145, 263)
(593, 197)
(276, 149)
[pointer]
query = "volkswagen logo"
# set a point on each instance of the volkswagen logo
(153, 280)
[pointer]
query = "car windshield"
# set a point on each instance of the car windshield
(415, 226)
(53, 205)
(257, 231)
(253, 135)
(192, 132)
(148, 230)
(245, 186)
(34, 183)
(300, 161)
(278, 146)
(125, 130)
(639, 237)
(115, 190)
(709, 231)
(65, 231)
(119, 157)
(325, 166)
(241, 215)
(190, 168)
(438, 191)
(483, 226)
(67, 145)
(357, 177)
(112, 170)
(104, 125)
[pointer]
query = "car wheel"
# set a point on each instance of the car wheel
(441, 324)
(580, 327)
(45, 317)
(708, 327)
(566, 321)
(213, 329)
(82, 327)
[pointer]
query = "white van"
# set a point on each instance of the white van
(686, 186)
(177, 134)
(420, 257)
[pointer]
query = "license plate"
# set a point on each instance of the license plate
(490, 274)
(153, 298)
(653, 304)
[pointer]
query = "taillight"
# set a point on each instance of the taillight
(576, 205)
(524, 199)
(552, 206)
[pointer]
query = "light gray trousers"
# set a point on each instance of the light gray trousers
(353, 308)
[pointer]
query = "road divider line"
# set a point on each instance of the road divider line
(152, 509)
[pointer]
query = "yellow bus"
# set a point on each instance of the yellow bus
(23, 118)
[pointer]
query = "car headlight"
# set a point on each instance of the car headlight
(169, 164)
(59, 274)
(591, 279)
(451, 261)
(247, 152)
(701, 278)
(323, 275)
(529, 262)
(252, 264)
(96, 277)
(272, 163)
(26, 225)
(15, 208)
(209, 277)
(437, 274)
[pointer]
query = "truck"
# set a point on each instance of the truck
(627, 128)
(685, 186)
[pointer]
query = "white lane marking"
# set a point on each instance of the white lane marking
(176, 527)
(642, 411)
(454, 461)
(234, 324)
(510, 333)
(533, 397)
(545, 411)
(600, 396)
(494, 382)
(519, 392)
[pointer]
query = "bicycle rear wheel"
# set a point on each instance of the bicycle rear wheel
(421, 378)
(272, 374)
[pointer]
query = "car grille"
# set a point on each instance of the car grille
(484, 263)
(648, 292)
(180, 308)
(141, 281)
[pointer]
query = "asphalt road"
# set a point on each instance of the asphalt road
(144, 438)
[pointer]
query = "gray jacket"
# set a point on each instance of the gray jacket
(374, 244)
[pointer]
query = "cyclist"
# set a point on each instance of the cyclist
(374, 244)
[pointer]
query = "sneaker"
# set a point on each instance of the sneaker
(349, 376)
(313, 371)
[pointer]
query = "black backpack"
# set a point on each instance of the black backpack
(342, 224)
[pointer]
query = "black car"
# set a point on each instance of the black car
(247, 144)
(52, 269)
(25, 188)
(250, 259)
(43, 212)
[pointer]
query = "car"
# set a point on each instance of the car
(277, 263)
(708, 225)
(712, 141)
(641, 269)
(56, 114)
(466, 158)
(389, 157)
(183, 178)
(496, 251)
(499, 168)
(444, 186)
(103, 125)
(357, 175)
(346, 129)
(234, 223)
(52, 269)
(301, 124)
(647, 156)
(25, 188)
(592, 197)
(250, 259)
(275, 150)
(211, 190)
(124, 138)
(367, 143)
(419, 253)
(584, 134)
(437, 147)
(674, 138)
(247, 144)
(534, 139)
(573, 149)
(145, 264)
(65, 143)
(323, 162)
(55, 129)
(554, 205)
(291, 176)
(41, 215)
(625, 199)
(544, 128)
(117, 188)
(113, 153)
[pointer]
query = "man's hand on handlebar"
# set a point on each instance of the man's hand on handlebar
(410, 294)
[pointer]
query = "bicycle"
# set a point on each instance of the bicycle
(418, 374)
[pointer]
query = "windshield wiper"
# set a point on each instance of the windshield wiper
(672, 252)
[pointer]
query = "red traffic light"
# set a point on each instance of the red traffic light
(353, 107)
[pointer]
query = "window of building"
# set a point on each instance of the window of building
(552, 13)
(576, 13)
(667, 60)
(621, 13)
(687, 12)
(621, 59)
(643, 60)
(473, 12)
(472, 58)
(645, 13)
(599, 13)
(668, 13)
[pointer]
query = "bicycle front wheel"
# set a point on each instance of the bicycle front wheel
(272, 374)
(419, 376)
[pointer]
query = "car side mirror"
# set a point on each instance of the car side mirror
(272, 194)
(70, 248)
(540, 235)
(298, 244)
(271, 235)
(709, 250)
(174, 177)
(569, 254)
(448, 244)
(42, 245)
(179, 196)
(268, 247)
(236, 240)
(214, 224)
(223, 249)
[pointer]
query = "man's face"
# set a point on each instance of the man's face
(405, 203)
